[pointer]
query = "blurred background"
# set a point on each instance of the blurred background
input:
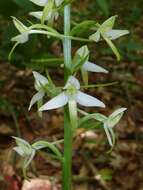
(122, 169)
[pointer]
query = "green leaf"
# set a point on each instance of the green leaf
(44, 144)
(95, 116)
(91, 125)
(104, 6)
(83, 27)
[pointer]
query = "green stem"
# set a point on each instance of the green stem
(67, 42)
(68, 131)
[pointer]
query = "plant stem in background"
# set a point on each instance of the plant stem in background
(68, 131)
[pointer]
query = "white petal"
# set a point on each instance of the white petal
(114, 34)
(56, 102)
(72, 81)
(39, 14)
(88, 66)
(39, 2)
(38, 96)
(40, 79)
(21, 38)
(88, 101)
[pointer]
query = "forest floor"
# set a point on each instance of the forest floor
(93, 167)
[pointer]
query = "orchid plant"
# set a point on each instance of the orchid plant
(70, 94)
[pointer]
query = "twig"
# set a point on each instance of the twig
(95, 172)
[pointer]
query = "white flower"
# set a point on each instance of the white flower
(25, 150)
(70, 93)
(110, 123)
(42, 3)
(24, 32)
(106, 31)
(83, 53)
(40, 82)
(50, 15)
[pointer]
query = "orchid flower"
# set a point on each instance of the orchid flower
(24, 32)
(25, 150)
(81, 60)
(71, 92)
(107, 32)
(50, 15)
(42, 3)
(40, 83)
(83, 52)
(110, 123)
